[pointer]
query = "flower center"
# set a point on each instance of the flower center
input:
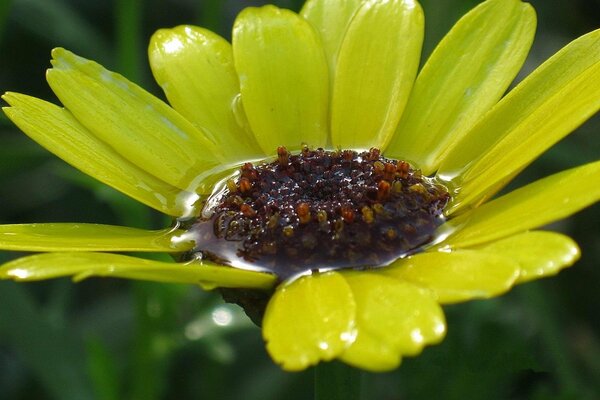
(319, 210)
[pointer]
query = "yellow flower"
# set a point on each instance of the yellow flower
(342, 74)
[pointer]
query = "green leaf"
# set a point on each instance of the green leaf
(55, 355)
(4, 13)
(103, 370)
(58, 22)
(129, 15)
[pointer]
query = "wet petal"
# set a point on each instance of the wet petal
(370, 353)
(466, 75)
(195, 69)
(459, 275)
(377, 64)
(538, 253)
(139, 126)
(331, 20)
(309, 320)
(286, 92)
(88, 237)
(58, 131)
(536, 204)
(399, 314)
(550, 103)
(86, 265)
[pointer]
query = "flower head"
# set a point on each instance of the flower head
(347, 253)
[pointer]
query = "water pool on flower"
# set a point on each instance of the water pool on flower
(316, 211)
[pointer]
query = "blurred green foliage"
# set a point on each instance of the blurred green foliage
(107, 339)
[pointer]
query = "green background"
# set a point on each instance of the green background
(111, 339)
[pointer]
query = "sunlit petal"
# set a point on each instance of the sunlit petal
(309, 320)
(398, 313)
(139, 126)
(58, 131)
(370, 353)
(286, 92)
(88, 237)
(331, 19)
(538, 253)
(531, 206)
(547, 105)
(459, 275)
(88, 264)
(377, 64)
(465, 76)
(195, 69)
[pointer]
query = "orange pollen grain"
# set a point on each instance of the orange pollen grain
(303, 211)
(245, 185)
(347, 213)
(283, 157)
(403, 169)
(389, 171)
(383, 190)
(247, 210)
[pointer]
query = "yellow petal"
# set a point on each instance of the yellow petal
(536, 204)
(309, 320)
(283, 78)
(88, 237)
(86, 265)
(331, 20)
(398, 313)
(550, 103)
(459, 275)
(538, 253)
(58, 131)
(465, 76)
(140, 127)
(195, 69)
(370, 353)
(377, 64)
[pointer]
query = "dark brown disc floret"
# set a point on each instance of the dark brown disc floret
(320, 210)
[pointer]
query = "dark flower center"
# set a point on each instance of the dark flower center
(319, 210)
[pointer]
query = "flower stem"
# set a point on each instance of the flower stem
(129, 37)
(553, 336)
(211, 14)
(4, 12)
(337, 381)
